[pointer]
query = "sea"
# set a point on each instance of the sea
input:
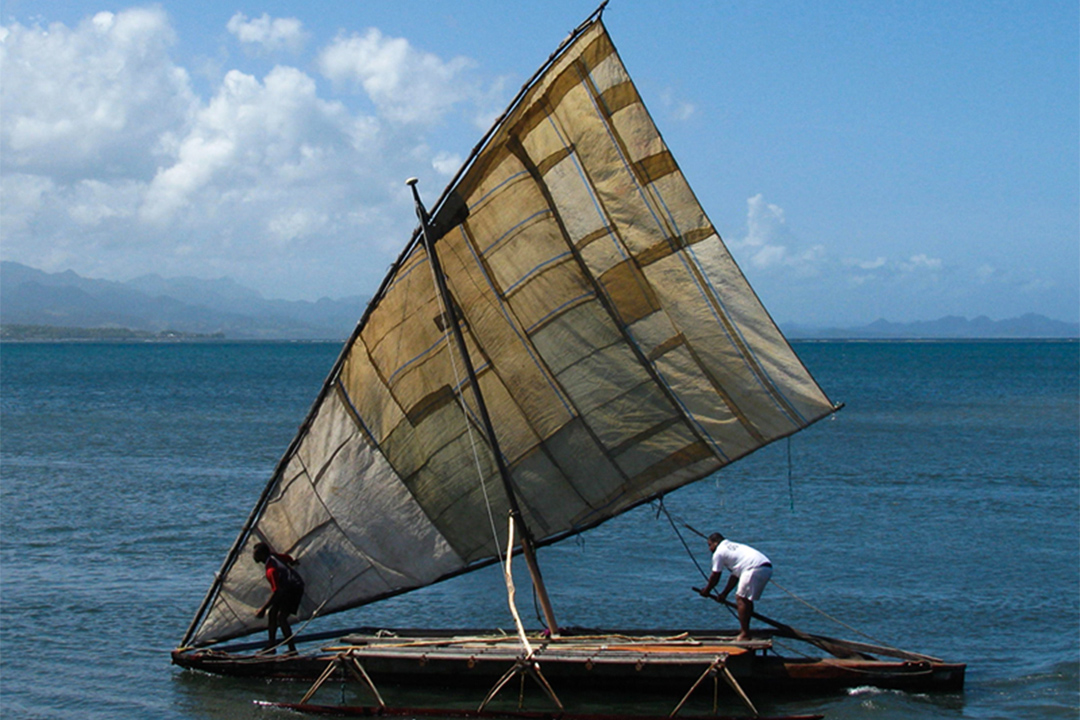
(938, 511)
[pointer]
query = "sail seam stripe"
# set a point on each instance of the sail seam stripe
(223, 603)
(518, 151)
(355, 413)
(537, 269)
(483, 198)
(513, 229)
(400, 274)
(376, 448)
(559, 310)
(762, 376)
(604, 114)
(685, 416)
(415, 359)
(333, 518)
(627, 334)
(515, 325)
(556, 387)
(541, 366)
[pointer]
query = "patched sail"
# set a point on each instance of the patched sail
(620, 351)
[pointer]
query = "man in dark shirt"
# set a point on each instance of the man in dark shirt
(286, 590)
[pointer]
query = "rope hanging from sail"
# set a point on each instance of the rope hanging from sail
(663, 509)
(705, 576)
(511, 593)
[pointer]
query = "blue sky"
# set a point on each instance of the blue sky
(862, 160)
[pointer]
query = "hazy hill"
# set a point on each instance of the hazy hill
(224, 308)
(1028, 326)
(155, 304)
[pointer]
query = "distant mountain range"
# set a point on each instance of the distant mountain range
(1029, 326)
(153, 306)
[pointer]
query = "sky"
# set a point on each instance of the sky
(862, 160)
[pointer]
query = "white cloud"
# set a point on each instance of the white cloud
(769, 245)
(270, 161)
(23, 198)
(881, 270)
(269, 34)
(680, 110)
(94, 202)
(112, 166)
(446, 163)
(875, 264)
(921, 262)
(90, 101)
(774, 253)
(406, 85)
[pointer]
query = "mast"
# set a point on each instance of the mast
(528, 546)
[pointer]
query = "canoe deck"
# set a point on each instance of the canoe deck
(646, 662)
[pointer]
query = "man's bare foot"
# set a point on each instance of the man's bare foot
(743, 637)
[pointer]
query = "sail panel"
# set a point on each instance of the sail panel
(620, 351)
(312, 515)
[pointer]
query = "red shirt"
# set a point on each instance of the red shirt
(275, 569)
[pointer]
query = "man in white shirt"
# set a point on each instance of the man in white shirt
(750, 570)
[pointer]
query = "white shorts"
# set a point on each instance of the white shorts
(752, 582)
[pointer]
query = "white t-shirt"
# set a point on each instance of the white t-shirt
(737, 558)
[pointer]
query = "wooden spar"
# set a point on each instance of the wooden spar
(528, 547)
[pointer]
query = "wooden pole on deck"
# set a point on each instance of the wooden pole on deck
(528, 547)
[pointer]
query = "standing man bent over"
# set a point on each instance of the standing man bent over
(750, 571)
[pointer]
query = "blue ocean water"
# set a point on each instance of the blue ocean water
(938, 511)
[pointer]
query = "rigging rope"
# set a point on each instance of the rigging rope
(663, 509)
(671, 521)
(830, 617)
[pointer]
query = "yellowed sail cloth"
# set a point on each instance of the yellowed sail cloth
(621, 353)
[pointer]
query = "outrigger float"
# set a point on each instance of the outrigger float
(564, 338)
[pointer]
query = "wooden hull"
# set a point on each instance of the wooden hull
(613, 661)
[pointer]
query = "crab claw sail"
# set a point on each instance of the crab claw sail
(620, 350)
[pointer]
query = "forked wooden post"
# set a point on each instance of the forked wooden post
(717, 665)
(349, 661)
(523, 665)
